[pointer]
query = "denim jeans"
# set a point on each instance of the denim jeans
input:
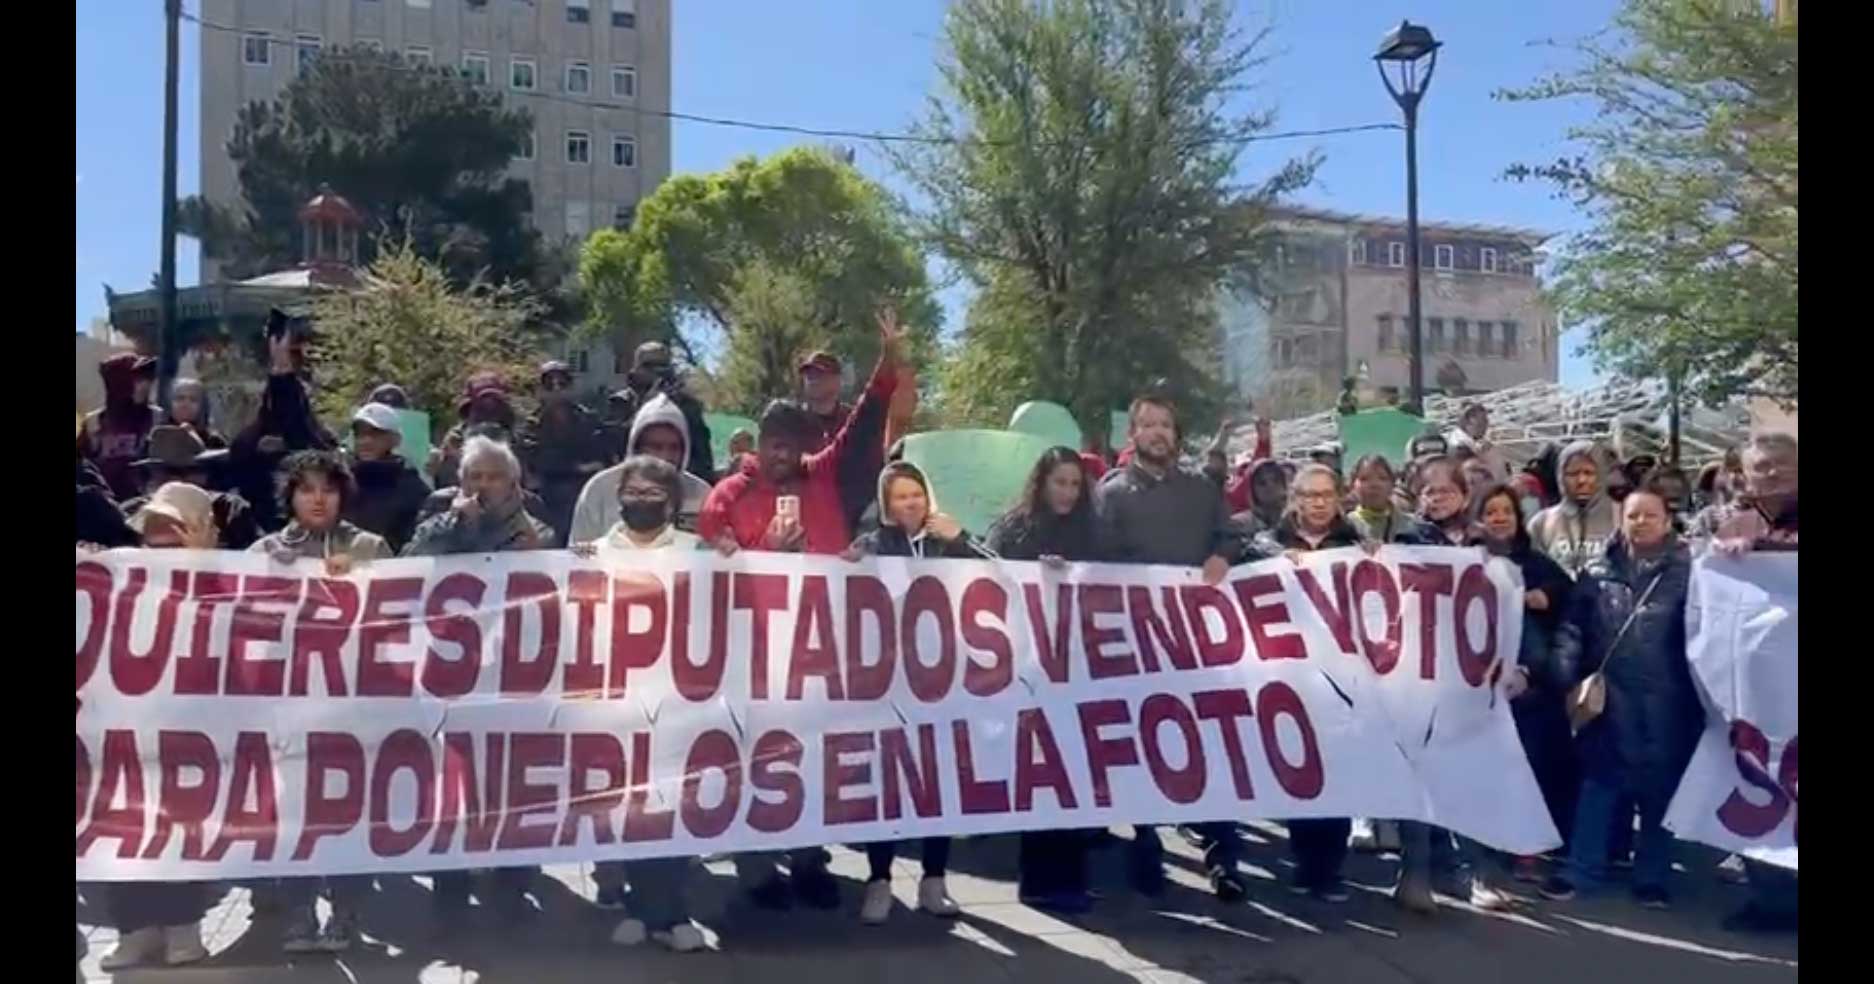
(1594, 824)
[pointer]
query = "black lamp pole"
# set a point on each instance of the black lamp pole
(1405, 47)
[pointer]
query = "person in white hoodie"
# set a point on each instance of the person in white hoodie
(644, 498)
(661, 431)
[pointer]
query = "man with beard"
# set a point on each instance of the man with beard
(1152, 511)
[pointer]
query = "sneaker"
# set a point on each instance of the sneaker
(772, 894)
(1528, 869)
(145, 946)
(611, 898)
(1414, 895)
(877, 905)
(1731, 871)
(1557, 889)
(341, 931)
(1755, 919)
(1652, 897)
(682, 938)
(816, 888)
(1333, 890)
(1486, 898)
(933, 897)
(302, 932)
(183, 944)
(1228, 885)
(629, 932)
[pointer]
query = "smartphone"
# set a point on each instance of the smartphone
(788, 506)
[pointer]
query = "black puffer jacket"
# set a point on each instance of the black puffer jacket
(390, 495)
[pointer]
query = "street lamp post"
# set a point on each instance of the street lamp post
(1406, 46)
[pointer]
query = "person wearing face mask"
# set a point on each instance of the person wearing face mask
(188, 407)
(661, 431)
(1574, 532)
(390, 492)
(648, 490)
(1626, 619)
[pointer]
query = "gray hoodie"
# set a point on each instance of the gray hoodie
(1576, 536)
(597, 510)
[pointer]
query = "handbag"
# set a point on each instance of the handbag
(1588, 699)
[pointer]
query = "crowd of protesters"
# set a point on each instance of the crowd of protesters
(1604, 548)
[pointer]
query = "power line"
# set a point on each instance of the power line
(808, 131)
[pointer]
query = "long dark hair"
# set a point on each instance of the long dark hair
(1033, 507)
(1520, 542)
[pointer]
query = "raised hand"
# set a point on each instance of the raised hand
(943, 527)
(892, 336)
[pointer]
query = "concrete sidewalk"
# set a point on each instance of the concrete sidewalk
(1186, 936)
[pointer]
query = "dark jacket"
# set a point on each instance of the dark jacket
(560, 449)
(450, 533)
(98, 520)
(286, 413)
(1417, 531)
(702, 453)
(1180, 519)
(118, 433)
(1644, 739)
(888, 540)
(390, 497)
(1285, 537)
(1021, 536)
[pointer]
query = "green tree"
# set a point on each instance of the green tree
(421, 151)
(1080, 171)
(409, 324)
(1688, 173)
(771, 256)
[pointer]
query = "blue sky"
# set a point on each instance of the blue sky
(868, 65)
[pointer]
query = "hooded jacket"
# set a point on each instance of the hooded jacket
(1575, 536)
(1240, 491)
(626, 403)
(118, 433)
(286, 413)
(597, 510)
(390, 497)
(891, 541)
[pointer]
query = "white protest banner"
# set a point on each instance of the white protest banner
(1739, 793)
(241, 718)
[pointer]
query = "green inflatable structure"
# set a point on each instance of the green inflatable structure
(976, 475)
(1049, 420)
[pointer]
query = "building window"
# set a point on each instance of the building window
(578, 78)
(257, 49)
(475, 67)
(1385, 332)
(1434, 334)
(578, 11)
(1395, 254)
(305, 49)
(580, 360)
(527, 148)
(1487, 260)
(1510, 349)
(521, 75)
(417, 54)
(624, 83)
(1442, 257)
(578, 147)
(627, 19)
(623, 215)
(1356, 252)
(624, 152)
(1483, 338)
(1461, 336)
(578, 219)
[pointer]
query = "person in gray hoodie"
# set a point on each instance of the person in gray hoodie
(1574, 531)
(662, 431)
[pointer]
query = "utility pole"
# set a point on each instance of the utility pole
(168, 354)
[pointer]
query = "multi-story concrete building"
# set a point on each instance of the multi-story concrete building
(1334, 306)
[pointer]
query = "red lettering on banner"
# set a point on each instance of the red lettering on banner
(583, 676)
(930, 684)
(1035, 738)
(713, 750)
(84, 777)
(521, 676)
(328, 815)
(814, 653)
(982, 599)
(588, 753)
(1103, 753)
(1262, 617)
(120, 772)
(530, 750)
(1226, 650)
(1225, 707)
(1051, 644)
(1473, 660)
(409, 750)
(1429, 581)
(462, 798)
(635, 649)
(1738, 814)
(698, 682)
(1150, 632)
(320, 636)
(773, 750)
(266, 676)
(1338, 614)
(252, 777)
(1182, 786)
(839, 774)
(918, 773)
(762, 595)
(134, 673)
(975, 796)
(199, 672)
(867, 595)
(1303, 779)
(641, 822)
(93, 585)
(1096, 600)
(383, 624)
(180, 804)
(1372, 577)
(453, 677)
